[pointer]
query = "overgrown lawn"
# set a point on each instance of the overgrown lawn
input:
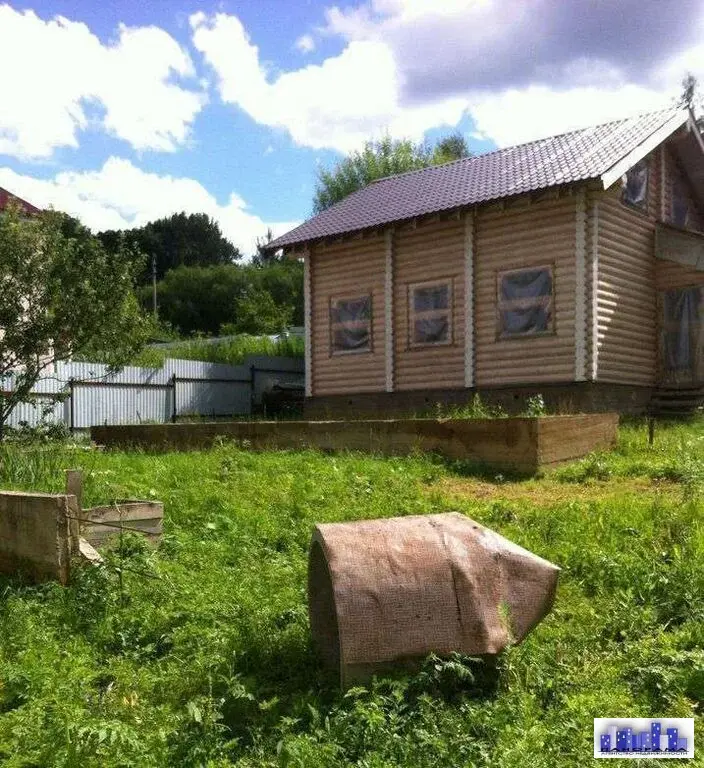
(199, 653)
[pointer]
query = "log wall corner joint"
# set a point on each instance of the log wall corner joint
(307, 322)
(580, 314)
(594, 300)
(388, 310)
(469, 299)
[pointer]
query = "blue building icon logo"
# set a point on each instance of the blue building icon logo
(637, 737)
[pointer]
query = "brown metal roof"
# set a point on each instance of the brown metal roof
(566, 159)
(6, 197)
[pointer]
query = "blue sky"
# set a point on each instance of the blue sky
(126, 111)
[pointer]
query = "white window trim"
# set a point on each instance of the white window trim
(332, 326)
(429, 313)
(501, 335)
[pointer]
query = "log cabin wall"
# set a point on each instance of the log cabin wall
(629, 275)
(347, 269)
(626, 302)
(611, 338)
(429, 252)
(522, 235)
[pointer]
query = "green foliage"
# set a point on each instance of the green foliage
(206, 660)
(232, 351)
(62, 296)
(379, 159)
(241, 299)
(476, 408)
(691, 98)
(449, 148)
(535, 406)
(181, 239)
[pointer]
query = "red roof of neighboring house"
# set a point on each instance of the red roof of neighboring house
(577, 156)
(6, 196)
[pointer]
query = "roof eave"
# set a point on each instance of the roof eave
(645, 147)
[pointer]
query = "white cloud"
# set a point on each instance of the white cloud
(305, 43)
(339, 103)
(120, 196)
(521, 69)
(54, 71)
(516, 116)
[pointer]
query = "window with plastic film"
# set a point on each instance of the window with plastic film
(430, 313)
(351, 325)
(680, 205)
(525, 302)
(635, 185)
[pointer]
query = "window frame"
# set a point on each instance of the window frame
(678, 187)
(332, 326)
(412, 314)
(638, 207)
(501, 305)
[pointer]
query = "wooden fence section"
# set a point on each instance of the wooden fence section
(514, 444)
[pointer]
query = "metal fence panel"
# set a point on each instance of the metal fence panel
(40, 409)
(213, 398)
(106, 404)
(94, 395)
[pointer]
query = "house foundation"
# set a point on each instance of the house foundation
(576, 397)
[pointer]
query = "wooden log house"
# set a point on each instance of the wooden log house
(571, 266)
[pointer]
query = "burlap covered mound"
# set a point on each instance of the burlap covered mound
(388, 592)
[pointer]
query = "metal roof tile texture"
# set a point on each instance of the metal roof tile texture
(565, 159)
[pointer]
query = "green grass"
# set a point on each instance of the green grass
(232, 351)
(208, 662)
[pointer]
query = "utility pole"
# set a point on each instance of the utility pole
(154, 287)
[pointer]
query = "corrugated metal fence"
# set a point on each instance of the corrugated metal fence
(89, 395)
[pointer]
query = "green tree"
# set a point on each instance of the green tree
(62, 295)
(452, 147)
(264, 257)
(257, 313)
(691, 98)
(179, 240)
(378, 159)
(283, 280)
(196, 300)
(230, 298)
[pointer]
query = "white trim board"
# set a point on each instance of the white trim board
(388, 310)
(595, 291)
(307, 319)
(580, 296)
(469, 299)
(644, 148)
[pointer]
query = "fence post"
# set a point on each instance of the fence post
(72, 391)
(173, 400)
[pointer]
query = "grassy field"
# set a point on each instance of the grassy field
(199, 653)
(232, 351)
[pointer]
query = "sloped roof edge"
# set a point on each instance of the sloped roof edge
(603, 152)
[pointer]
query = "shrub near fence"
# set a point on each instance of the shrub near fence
(81, 395)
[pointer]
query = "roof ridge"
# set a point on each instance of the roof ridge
(498, 150)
